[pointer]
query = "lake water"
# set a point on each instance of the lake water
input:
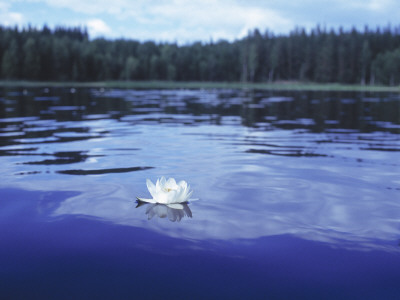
(298, 194)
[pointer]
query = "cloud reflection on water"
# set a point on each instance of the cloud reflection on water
(365, 224)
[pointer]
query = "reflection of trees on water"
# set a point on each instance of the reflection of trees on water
(174, 213)
(319, 111)
(314, 110)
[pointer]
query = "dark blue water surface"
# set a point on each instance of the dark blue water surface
(299, 194)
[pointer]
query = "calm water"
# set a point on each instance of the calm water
(299, 194)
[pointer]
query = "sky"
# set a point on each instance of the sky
(187, 21)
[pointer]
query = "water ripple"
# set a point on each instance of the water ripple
(103, 171)
(318, 165)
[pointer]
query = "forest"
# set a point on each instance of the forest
(320, 55)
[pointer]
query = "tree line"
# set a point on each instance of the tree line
(321, 55)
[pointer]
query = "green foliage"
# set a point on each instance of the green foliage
(67, 54)
(10, 61)
(31, 63)
(387, 67)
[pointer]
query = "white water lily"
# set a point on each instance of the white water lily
(168, 192)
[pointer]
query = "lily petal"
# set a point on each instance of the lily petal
(158, 186)
(171, 197)
(171, 184)
(189, 194)
(151, 187)
(147, 200)
(161, 197)
(182, 184)
(175, 206)
(162, 181)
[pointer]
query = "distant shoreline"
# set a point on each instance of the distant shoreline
(289, 86)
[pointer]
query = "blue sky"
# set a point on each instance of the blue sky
(186, 21)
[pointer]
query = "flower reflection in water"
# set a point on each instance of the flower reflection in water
(174, 212)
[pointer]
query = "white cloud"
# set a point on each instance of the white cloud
(188, 21)
(93, 7)
(370, 5)
(170, 19)
(256, 18)
(98, 27)
(218, 16)
(4, 6)
(12, 18)
(9, 18)
(382, 6)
